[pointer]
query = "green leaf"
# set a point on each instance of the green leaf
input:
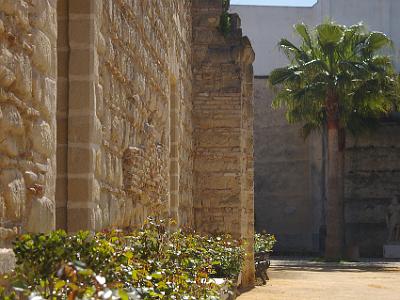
(59, 284)
(329, 34)
(123, 294)
(378, 40)
(302, 30)
(281, 75)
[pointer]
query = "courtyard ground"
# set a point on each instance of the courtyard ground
(309, 280)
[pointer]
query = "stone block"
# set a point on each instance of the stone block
(42, 52)
(41, 218)
(81, 62)
(81, 30)
(82, 160)
(7, 261)
(80, 129)
(81, 95)
(23, 75)
(117, 211)
(44, 92)
(11, 120)
(42, 138)
(80, 7)
(80, 219)
(7, 77)
(10, 7)
(44, 14)
(14, 192)
(80, 190)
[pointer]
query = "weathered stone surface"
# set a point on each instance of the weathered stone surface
(11, 120)
(27, 128)
(42, 51)
(7, 260)
(112, 98)
(42, 138)
(42, 215)
(223, 129)
(14, 193)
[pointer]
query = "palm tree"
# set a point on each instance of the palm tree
(338, 80)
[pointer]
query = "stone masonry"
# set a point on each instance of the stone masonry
(129, 113)
(112, 111)
(372, 180)
(223, 127)
(28, 74)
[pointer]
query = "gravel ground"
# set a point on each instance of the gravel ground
(304, 279)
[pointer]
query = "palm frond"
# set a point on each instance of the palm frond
(347, 61)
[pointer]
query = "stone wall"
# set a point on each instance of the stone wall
(289, 197)
(131, 137)
(372, 179)
(28, 71)
(129, 133)
(287, 177)
(223, 120)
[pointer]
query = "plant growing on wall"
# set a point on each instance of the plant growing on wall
(339, 80)
(225, 22)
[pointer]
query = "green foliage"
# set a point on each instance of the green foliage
(346, 62)
(264, 242)
(225, 21)
(151, 263)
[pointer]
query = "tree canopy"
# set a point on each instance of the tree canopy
(350, 63)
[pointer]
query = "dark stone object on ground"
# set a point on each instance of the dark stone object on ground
(262, 263)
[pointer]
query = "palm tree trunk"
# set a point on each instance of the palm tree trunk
(335, 183)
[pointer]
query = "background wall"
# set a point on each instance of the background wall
(372, 179)
(266, 25)
(287, 185)
(289, 198)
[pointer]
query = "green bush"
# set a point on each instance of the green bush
(264, 242)
(150, 263)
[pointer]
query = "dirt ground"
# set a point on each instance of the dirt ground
(307, 280)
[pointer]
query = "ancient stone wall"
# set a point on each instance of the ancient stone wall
(28, 71)
(372, 180)
(129, 131)
(222, 117)
(128, 135)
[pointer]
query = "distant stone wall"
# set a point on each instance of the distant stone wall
(129, 113)
(372, 179)
(223, 128)
(289, 199)
(28, 71)
(287, 177)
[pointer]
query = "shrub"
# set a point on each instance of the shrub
(264, 242)
(150, 263)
